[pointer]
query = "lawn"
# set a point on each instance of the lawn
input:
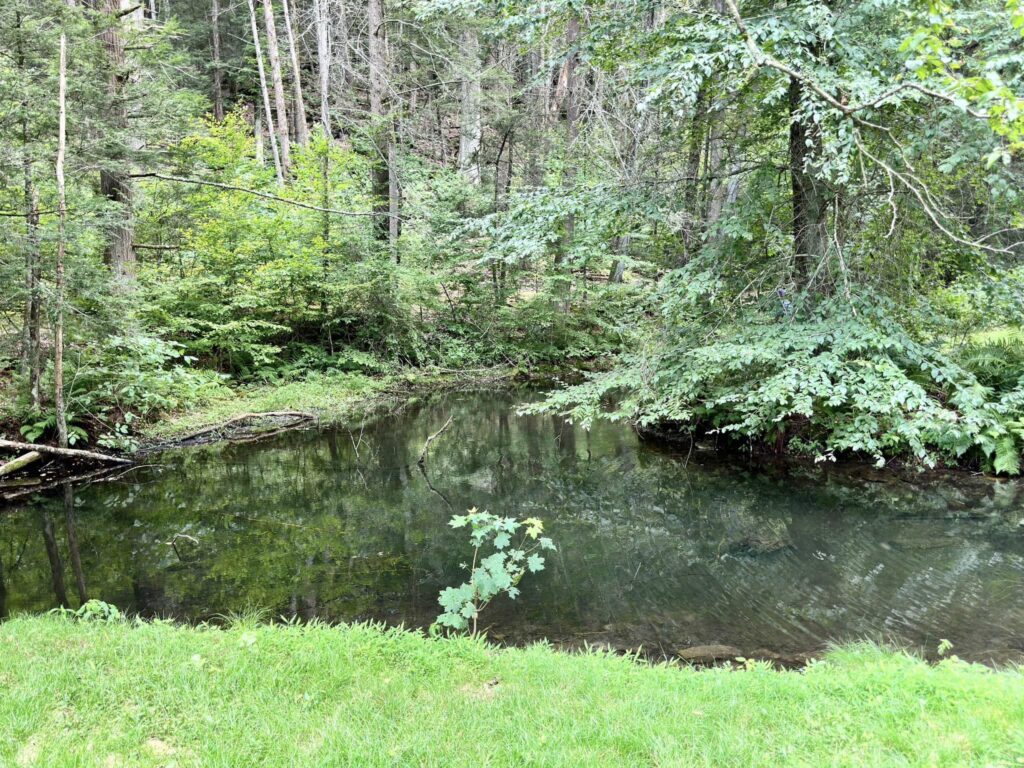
(157, 694)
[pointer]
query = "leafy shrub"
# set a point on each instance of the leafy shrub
(832, 381)
(497, 573)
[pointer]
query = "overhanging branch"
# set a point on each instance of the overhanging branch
(254, 193)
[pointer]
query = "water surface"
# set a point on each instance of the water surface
(656, 549)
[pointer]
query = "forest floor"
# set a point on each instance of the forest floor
(158, 694)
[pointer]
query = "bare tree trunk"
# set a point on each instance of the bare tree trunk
(31, 348)
(257, 129)
(115, 181)
(218, 74)
(32, 356)
(394, 194)
(281, 122)
(811, 195)
(301, 129)
(470, 123)
(693, 200)
(381, 184)
(278, 167)
(62, 215)
(567, 89)
(322, 12)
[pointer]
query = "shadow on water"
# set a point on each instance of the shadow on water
(657, 550)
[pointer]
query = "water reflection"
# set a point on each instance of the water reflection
(654, 550)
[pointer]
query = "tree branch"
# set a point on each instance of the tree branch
(254, 193)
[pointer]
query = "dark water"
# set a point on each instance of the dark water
(654, 550)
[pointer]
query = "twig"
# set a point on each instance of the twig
(432, 438)
(255, 193)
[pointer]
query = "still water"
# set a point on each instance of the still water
(657, 549)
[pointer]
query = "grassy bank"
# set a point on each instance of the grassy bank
(122, 694)
(332, 397)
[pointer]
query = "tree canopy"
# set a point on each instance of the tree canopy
(788, 226)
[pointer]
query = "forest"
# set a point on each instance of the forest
(511, 382)
(786, 227)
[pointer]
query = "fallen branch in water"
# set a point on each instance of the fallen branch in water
(432, 438)
(65, 453)
(298, 415)
(22, 461)
(104, 473)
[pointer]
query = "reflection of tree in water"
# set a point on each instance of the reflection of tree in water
(652, 549)
(3, 590)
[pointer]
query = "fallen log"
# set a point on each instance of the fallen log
(298, 415)
(64, 453)
(22, 461)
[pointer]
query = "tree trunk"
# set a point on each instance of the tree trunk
(257, 129)
(394, 195)
(115, 181)
(278, 166)
(470, 123)
(31, 363)
(381, 185)
(693, 200)
(218, 74)
(811, 195)
(281, 121)
(62, 215)
(568, 90)
(301, 129)
(31, 353)
(322, 12)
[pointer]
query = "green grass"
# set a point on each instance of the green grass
(128, 694)
(331, 397)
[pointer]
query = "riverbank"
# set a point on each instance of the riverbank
(157, 694)
(328, 398)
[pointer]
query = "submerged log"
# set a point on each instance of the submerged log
(19, 463)
(64, 453)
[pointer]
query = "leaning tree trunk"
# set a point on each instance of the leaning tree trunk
(301, 129)
(115, 180)
(381, 130)
(278, 167)
(811, 195)
(470, 123)
(281, 123)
